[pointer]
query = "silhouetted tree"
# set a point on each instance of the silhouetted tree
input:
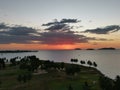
(2, 63)
(106, 83)
(13, 61)
(82, 62)
(75, 60)
(117, 83)
(89, 63)
(94, 64)
(62, 65)
(30, 63)
(72, 60)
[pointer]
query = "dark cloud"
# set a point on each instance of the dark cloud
(105, 30)
(62, 38)
(69, 21)
(66, 38)
(17, 34)
(3, 26)
(63, 21)
(21, 30)
(57, 27)
(60, 33)
(103, 39)
(62, 25)
(48, 24)
(6, 39)
(57, 33)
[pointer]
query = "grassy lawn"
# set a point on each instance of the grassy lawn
(52, 80)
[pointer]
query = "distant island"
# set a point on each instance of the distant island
(105, 48)
(110, 48)
(90, 49)
(78, 49)
(16, 51)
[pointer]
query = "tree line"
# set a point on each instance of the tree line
(82, 62)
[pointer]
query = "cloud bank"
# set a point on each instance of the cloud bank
(59, 32)
(105, 30)
(54, 33)
(17, 34)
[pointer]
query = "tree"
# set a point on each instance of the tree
(72, 60)
(75, 60)
(106, 83)
(89, 63)
(30, 63)
(62, 65)
(2, 63)
(13, 61)
(82, 62)
(94, 64)
(117, 83)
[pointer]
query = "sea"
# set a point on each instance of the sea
(108, 61)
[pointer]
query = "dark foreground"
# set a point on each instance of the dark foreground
(30, 73)
(53, 80)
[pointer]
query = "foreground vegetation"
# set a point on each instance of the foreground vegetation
(30, 73)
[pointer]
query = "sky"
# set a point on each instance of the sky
(59, 24)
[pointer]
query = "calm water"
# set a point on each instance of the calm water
(108, 60)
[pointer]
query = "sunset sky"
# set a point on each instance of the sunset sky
(59, 24)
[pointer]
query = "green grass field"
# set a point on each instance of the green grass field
(53, 80)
